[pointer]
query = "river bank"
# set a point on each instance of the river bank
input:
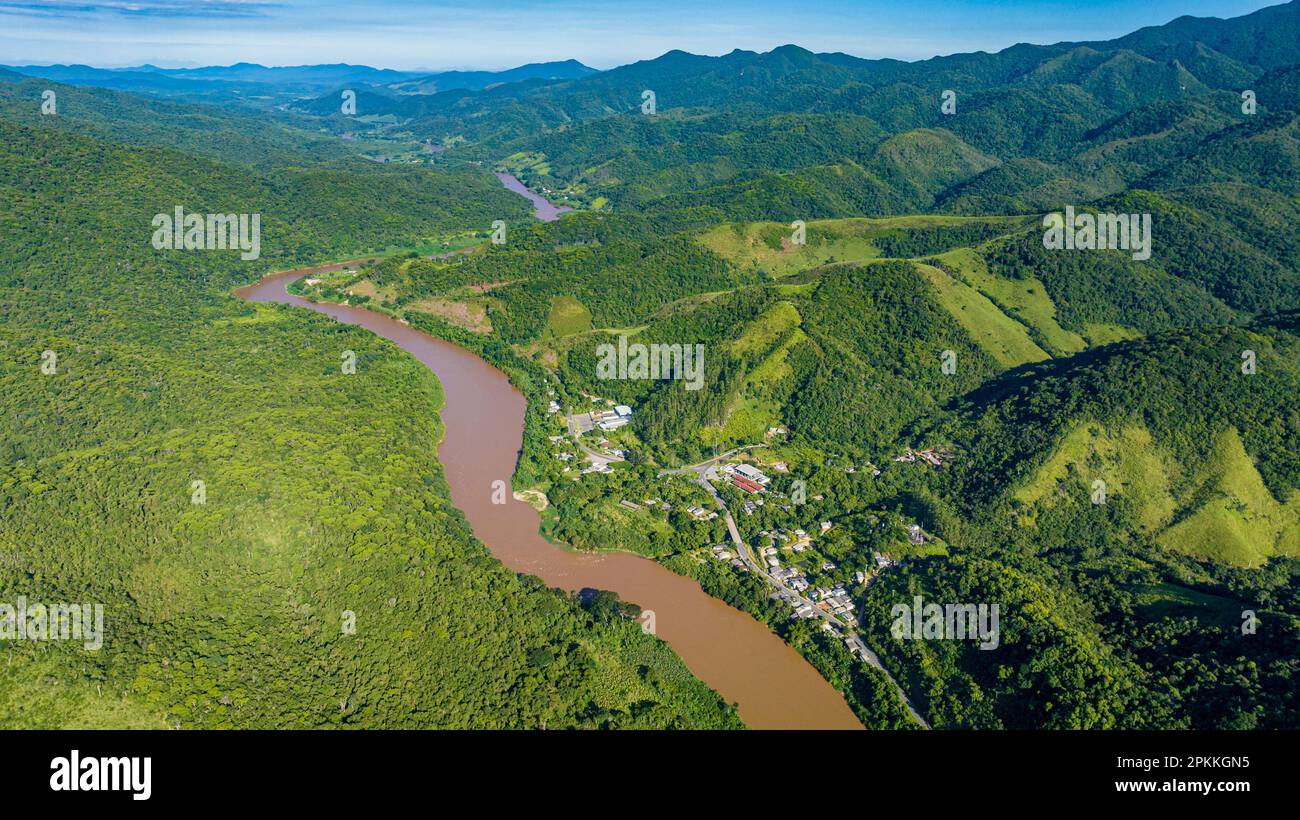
(772, 685)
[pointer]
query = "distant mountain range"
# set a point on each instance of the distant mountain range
(276, 83)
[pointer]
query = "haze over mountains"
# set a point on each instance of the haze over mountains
(263, 84)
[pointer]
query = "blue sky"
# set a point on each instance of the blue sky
(410, 34)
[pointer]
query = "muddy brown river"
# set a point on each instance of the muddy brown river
(771, 684)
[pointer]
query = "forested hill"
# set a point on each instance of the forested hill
(202, 468)
(791, 134)
(197, 129)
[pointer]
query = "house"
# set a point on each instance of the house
(752, 473)
(623, 411)
(700, 513)
(825, 525)
(612, 423)
(630, 505)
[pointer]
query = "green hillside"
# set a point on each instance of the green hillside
(229, 612)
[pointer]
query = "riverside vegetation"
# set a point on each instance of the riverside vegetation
(1168, 382)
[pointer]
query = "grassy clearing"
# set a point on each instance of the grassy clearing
(1104, 334)
(1128, 460)
(471, 315)
(1002, 337)
(526, 161)
(768, 246)
(1024, 300)
(1241, 523)
(771, 337)
(771, 326)
(568, 316)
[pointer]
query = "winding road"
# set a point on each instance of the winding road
(772, 685)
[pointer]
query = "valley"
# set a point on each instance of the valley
(780, 389)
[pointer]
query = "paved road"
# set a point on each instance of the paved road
(573, 431)
(751, 561)
(703, 467)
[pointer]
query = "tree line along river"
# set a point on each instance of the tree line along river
(771, 684)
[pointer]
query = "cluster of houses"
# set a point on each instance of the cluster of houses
(562, 454)
(792, 577)
(798, 540)
(807, 601)
(835, 602)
